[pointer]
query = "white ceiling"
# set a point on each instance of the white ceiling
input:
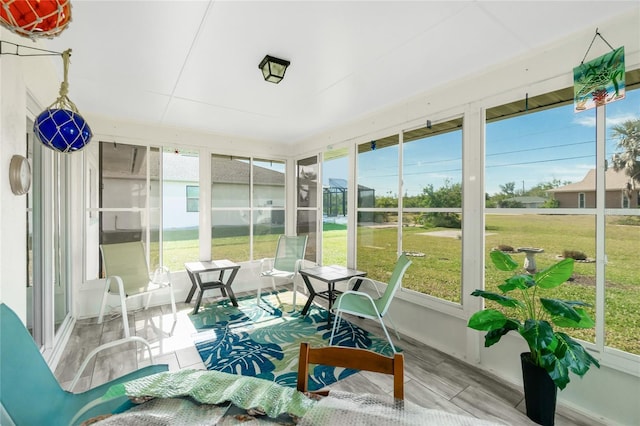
(194, 64)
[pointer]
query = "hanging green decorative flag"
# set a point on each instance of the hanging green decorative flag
(600, 81)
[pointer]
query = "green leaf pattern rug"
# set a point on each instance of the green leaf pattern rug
(264, 341)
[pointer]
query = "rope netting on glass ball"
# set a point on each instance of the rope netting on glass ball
(61, 127)
(36, 18)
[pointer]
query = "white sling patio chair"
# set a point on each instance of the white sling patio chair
(127, 273)
(286, 263)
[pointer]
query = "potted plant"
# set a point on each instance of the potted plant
(552, 354)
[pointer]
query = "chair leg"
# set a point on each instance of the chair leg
(386, 333)
(336, 324)
(125, 318)
(259, 292)
(146, 305)
(295, 291)
(173, 303)
(103, 305)
(394, 326)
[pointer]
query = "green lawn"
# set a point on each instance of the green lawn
(436, 270)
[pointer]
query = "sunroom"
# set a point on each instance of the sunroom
(430, 171)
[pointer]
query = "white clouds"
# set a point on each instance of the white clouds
(585, 120)
(619, 119)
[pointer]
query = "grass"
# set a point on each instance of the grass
(438, 272)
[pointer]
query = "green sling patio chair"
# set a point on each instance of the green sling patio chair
(127, 273)
(31, 395)
(286, 263)
(363, 305)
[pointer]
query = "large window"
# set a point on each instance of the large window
(247, 207)
(180, 235)
(378, 189)
(432, 207)
(268, 206)
(129, 197)
(307, 204)
(230, 207)
(335, 195)
(547, 192)
(622, 232)
(540, 163)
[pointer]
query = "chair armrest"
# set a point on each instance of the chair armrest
(364, 280)
(266, 261)
(161, 276)
(357, 293)
(108, 345)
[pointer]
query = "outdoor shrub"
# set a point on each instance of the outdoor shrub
(574, 254)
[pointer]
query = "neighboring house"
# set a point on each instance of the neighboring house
(230, 190)
(528, 202)
(619, 192)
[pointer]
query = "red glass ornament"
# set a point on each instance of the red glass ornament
(35, 18)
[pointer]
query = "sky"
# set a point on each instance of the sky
(527, 150)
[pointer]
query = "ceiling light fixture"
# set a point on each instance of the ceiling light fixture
(273, 69)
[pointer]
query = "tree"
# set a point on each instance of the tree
(448, 195)
(508, 188)
(627, 158)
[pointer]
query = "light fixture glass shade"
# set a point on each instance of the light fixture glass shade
(273, 69)
(62, 130)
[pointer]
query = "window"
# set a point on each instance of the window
(193, 195)
(543, 152)
(180, 234)
(335, 184)
(230, 207)
(564, 150)
(247, 206)
(378, 189)
(432, 207)
(268, 206)
(307, 203)
(129, 197)
(622, 224)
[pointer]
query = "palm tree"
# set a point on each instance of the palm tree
(627, 158)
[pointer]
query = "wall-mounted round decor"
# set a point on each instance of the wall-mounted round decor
(19, 175)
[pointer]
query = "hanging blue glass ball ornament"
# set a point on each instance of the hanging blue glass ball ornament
(61, 127)
(62, 130)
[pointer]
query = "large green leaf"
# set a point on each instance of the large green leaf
(487, 320)
(502, 300)
(538, 334)
(521, 282)
(492, 337)
(585, 320)
(502, 261)
(576, 358)
(555, 274)
(558, 308)
(560, 375)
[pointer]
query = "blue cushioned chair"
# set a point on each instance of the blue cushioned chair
(29, 392)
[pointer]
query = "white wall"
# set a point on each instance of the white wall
(18, 76)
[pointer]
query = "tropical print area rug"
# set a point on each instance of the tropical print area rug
(264, 341)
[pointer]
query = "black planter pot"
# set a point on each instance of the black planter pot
(539, 392)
